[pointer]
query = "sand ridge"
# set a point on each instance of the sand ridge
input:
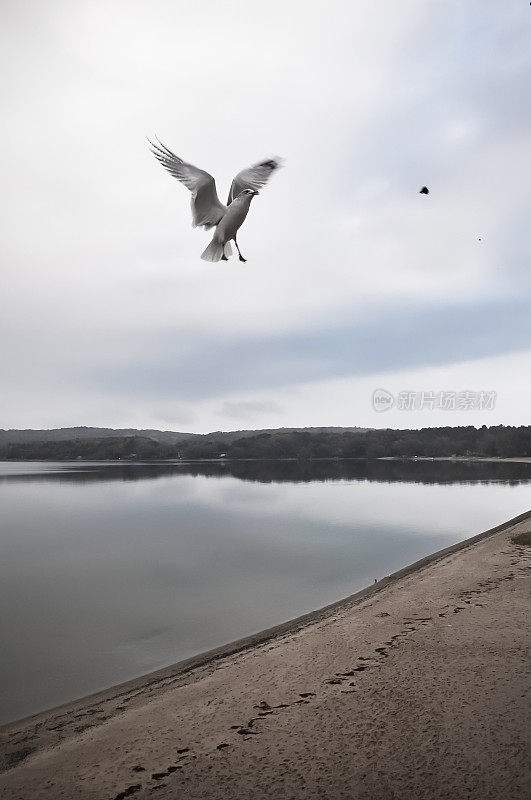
(418, 689)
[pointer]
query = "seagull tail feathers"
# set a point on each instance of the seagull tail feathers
(216, 250)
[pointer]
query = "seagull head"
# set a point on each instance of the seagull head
(249, 193)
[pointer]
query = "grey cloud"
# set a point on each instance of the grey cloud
(391, 339)
(105, 302)
(248, 409)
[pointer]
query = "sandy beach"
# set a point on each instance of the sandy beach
(417, 687)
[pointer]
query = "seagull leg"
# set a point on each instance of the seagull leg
(238, 249)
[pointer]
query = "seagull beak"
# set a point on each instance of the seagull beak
(255, 192)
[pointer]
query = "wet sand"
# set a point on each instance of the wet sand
(417, 687)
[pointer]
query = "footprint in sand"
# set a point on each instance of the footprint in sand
(129, 791)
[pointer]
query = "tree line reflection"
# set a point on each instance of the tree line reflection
(288, 471)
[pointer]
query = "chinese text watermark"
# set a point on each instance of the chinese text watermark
(450, 400)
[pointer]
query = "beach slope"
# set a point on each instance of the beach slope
(415, 688)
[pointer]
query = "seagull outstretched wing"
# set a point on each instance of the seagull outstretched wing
(253, 177)
(207, 210)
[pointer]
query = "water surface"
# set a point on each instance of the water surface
(111, 570)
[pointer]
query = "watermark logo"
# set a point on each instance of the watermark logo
(448, 400)
(382, 400)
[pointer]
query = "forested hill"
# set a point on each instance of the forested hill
(83, 432)
(164, 437)
(498, 441)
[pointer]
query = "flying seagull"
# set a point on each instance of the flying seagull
(207, 210)
(424, 190)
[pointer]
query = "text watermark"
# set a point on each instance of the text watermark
(448, 400)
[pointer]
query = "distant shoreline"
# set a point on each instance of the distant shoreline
(221, 460)
(514, 459)
(305, 444)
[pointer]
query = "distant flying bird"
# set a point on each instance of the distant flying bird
(424, 190)
(207, 210)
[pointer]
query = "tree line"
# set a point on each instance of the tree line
(499, 441)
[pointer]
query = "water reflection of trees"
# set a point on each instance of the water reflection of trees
(403, 471)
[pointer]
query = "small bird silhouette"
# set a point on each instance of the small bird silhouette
(424, 190)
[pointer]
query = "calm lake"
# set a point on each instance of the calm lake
(111, 570)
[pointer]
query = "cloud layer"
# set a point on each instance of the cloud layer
(108, 315)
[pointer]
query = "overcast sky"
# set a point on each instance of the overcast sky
(354, 280)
